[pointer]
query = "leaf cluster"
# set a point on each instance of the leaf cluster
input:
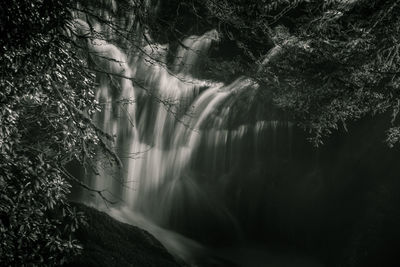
(47, 100)
(341, 65)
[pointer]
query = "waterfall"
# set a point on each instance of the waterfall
(185, 157)
(170, 127)
(210, 169)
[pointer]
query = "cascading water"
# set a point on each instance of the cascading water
(213, 172)
(186, 165)
(181, 121)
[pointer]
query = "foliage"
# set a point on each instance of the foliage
(338, 67)
(248, 23)
(46, 99)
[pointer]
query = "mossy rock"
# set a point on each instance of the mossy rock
(108, 242)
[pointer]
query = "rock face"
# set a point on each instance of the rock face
(108, 242)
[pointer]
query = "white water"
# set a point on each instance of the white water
(174, 137)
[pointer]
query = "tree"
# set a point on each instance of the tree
(46, 100)
(341, 65)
